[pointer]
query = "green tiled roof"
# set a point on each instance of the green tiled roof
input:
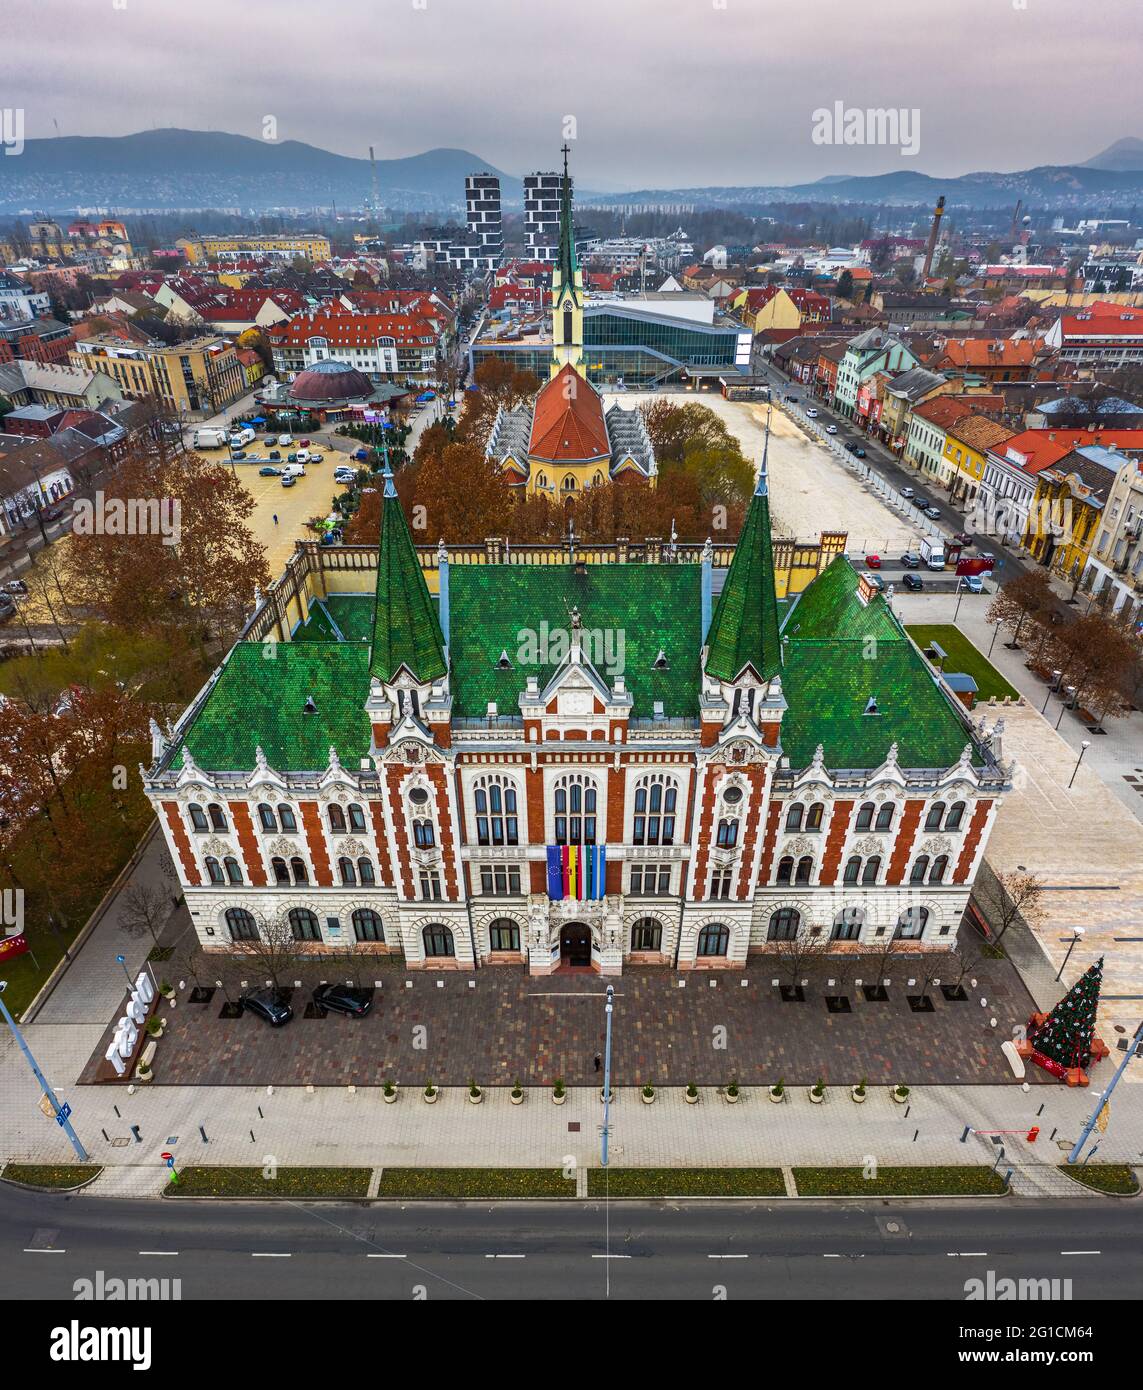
(744, 628)
(406, 630)
(351, 613)
(494, 608)
(839, 654)
(259, 701)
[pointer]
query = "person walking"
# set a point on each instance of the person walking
(598, 1061)
(275, 518)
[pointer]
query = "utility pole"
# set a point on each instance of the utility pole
(61, 1112)
(1133, 1050)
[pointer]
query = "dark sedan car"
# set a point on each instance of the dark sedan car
(913, 582)
(344, 999)
(268, 1004)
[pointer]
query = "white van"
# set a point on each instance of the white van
(303, 456)
(208, 438)
(292, 470)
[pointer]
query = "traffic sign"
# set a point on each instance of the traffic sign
(62, 1114)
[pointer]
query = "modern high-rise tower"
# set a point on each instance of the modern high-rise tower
(543, 194)
(482, 208)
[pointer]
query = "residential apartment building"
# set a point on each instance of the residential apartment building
(966, 444)
(483, 217)
(1068, 508)
(542, 216)
(1102, 335)
(382, 346)
(310, 245)
(929, 423)
(1114, 571)
(200, 376)
(989, 359)
(19, 302)
(870, 352)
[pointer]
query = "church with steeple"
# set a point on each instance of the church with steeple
(611, 759)
(566, 441)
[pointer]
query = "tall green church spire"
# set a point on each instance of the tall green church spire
(744, 629)
(406, 629)
(568, 264)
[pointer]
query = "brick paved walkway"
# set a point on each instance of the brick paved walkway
(668, 1029)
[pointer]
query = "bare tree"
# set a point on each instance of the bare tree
(798, 954)
(1029, 596)
(1010, 894)
(144, 909)
(275, 951)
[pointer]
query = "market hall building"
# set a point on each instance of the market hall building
(579, 763)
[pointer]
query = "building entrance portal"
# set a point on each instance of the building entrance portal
(575, 945)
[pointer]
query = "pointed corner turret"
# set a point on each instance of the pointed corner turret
(406, 630)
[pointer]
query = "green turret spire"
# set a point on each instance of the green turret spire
(744, 629)
(406, 629)
(568, 264)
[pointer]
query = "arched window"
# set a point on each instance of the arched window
(656, 800)
(217, 816)
(920, 869)
(714, 940)
(356, 817)
(497, 821)
(304, 924)
(287, 818)
(939, 869)
(504, 935)
(542, 480)
(647, 935)
(281, 872)
(911, 923)
(575, 805)
(785, 868)
(784, 924)
(727, 836)
(794, 816)
(367, 925)
(935, 816)
(955, 816)
(848, 923)
(337, 820)
(198, 817)
(423, 836)
(865, 815)
(365, 872)
(569, 483)
(214, 870)
(872, 869)
(266, 816)
(233, 869)
(298, 866)
(814, 816)
(885, 817)
(852, 869)
(805, 869)
(438, 940)
(241, 924)
(347, 871)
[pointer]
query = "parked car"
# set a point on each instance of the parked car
(874, 580)
(831, 429)
(274, 454)
(933, 513)
(303, 443)
(913, 582)
(237, 455)
(267, 1004)
(302, 456)
(911, 560)
(906, 492)
(16, 586)
(315, 457)
(873, 562)
(288, 480)
(812, 414)
(271, 440)
(361, 455)
(791, 398)
(973, 584)
(293, 458)
(856, 450)
(963, 538)
(285, 440)
(344, 999)
(268, 472)
(7, 606)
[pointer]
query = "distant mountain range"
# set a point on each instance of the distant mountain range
(164, 169)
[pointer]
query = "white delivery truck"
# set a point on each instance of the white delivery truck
(209, 438)
(933, 552)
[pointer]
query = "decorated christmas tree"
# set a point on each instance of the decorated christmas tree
(1064, 1040)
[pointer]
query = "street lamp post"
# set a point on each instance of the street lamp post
(1132, 1050)
(1084, 746)
(1077, 935)
(59, 1111)
(959, 597)
(122, 960)
(1069, 695)
(1051, 686)
(608, 1009)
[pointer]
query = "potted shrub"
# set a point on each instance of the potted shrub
(606, 1095)
(167, 990)
(143, 1073)
(731, 1093)
(691, 1094)
(900, 1094)
(559, 1091)
(648, 1093)
(778, 1092)
(388, 1093)
(517, 1093)
(155, 1027)
(431, 1094)
(475, 1094)
(858, 1092)
(817, 1091)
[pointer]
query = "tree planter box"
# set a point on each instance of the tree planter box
(475, 1099)
(731, 1098)
(690, 1100)
(816, 1097)
(431, 1099)
(389, 1099)
(559, 1100)
(647, 1099)
(858, 1096)
(516, 1099)
(900, 1099)
(777, 1096)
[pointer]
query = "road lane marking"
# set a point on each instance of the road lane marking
(1081, 1252)
(728, 1257)
(158, 1252)
(372, 1256)
(611, 1257)
(505, 1257)
(270, 1254)
(43, 1250)
(968, 1254)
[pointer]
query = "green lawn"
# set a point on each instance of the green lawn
(963, 657)
(59, 1175)
(685, 1182)
(456, 1184)
(897, 1182)
(1104, 1177)
(295, 1183)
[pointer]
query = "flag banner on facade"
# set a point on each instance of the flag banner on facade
(555, 874)
(565, 869)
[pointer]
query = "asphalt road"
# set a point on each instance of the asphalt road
(578, 1250)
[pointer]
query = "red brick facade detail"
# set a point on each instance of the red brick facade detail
(903, 844)
(708, 734)
(534, 792)
(438, 777)
(442, 735)
(757, 778)
(835, 839)
(770, 731)
(394, 776)
(972, 838)
(315, 838)
(773, 820)
(706, 822)
(182, 842)
(538, 876)
(616, 786)
(384, 859)
(381, 735)
(248, 843)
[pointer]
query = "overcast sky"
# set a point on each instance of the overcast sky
(664, 92)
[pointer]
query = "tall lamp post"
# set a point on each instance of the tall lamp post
(1084, 746)
(61, 1112)
(1077, 935)
(1133, 1050)
(1068, 696)
(608, 1009)
(1051, 686)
